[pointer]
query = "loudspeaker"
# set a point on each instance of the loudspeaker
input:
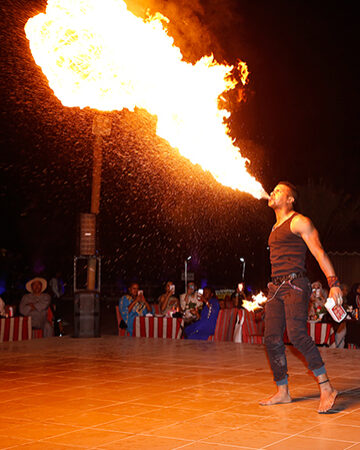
(86, 314)
(87, 234)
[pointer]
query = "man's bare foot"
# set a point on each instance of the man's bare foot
(327, 398)
(281, 396)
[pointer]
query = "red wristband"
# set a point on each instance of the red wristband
(333, 281)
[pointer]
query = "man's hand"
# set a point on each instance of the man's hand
(336, 294)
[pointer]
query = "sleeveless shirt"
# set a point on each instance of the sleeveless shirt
(287, 250)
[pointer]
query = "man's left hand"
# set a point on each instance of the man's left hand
(336, 294)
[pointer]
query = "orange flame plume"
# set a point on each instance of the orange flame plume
(256, 303)
(100, 55)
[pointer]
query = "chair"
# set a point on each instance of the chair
(156, 308)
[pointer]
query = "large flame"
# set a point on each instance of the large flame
(256, 303)
(98, 54)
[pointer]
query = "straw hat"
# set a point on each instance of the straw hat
(41, 280)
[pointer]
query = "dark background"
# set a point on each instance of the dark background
(299, 122)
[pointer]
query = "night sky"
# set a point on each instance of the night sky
(299, 122)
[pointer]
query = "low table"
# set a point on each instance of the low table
(158, 327)
(15, 329)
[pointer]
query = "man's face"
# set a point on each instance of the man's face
(207, 294)
(134, 290)
(36, 287)
(168, 286)
(280, 196)
(191, 288)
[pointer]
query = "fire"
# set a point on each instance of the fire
(256, 303)
(99, 55)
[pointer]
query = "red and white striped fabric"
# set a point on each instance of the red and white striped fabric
(15, 329)
(158, 327)
(225, 325)
(251, 327)
(322, 333)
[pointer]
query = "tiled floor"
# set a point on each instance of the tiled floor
(125, 393)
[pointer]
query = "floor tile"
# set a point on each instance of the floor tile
(113, 393)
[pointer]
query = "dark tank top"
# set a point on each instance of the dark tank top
(287, 250)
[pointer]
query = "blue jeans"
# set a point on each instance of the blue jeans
(287, 306)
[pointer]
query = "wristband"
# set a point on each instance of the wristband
(333, 281)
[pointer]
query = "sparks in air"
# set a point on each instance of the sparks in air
(100, 55)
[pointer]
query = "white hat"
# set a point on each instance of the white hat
(41, 280)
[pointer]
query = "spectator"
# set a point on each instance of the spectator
(168, 301)
(317, 300)
(132, 305)
(2, 308)
(354, 296)
(36, 304)
(221, 302)
(238, 295)
(57, 289)
(206, 320)
(190, 303)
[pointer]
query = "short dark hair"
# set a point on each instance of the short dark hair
(293, 190)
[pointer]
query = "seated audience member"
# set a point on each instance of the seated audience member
(317, 300)
(190, 303)
(36, 304)
(221, 302)
(133, 304)
(238, 295)
(2, 308)
(168, 301)
(57, 290)
(206, 323)
(354, 296)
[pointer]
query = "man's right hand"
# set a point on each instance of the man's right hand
(336, 294)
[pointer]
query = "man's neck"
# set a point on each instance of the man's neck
(283, 214)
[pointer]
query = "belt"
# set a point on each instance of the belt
(290, 277)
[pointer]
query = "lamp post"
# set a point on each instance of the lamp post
(186, 272)
(242, 260)
(101, 127)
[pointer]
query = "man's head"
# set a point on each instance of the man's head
(168, 286)
(207, 293)
(191, 287)
(284, 195)
(36, 287)
(134, 290)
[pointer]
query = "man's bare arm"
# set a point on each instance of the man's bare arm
(303, 227)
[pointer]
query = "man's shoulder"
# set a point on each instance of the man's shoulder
(300, 223)
(125, 297)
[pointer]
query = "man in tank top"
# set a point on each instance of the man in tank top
(289, 293)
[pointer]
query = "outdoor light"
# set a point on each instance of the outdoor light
(242, 260)
(186, 272)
